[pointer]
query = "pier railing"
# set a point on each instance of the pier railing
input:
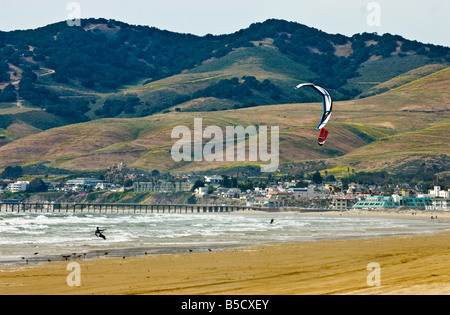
(119, 208)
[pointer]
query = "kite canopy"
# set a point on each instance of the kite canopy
(327, 103)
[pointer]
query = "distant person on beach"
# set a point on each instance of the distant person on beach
(271, 221)
(98, 233)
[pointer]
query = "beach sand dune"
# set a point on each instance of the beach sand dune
(408, 265)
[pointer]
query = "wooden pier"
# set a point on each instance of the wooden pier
(118, 208)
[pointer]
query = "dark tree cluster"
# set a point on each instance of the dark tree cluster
(240, 91)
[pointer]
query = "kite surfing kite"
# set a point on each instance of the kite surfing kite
(327, 109)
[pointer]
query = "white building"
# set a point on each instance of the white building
(232, 193)
(214, 179)
(83, 182)
(442, 204)
(106, 186)
(67, 188)
(18, 186)
(299, 192)
(162, 186)
(341, 204)
(201, 191)
(437, 192)
(310, 192)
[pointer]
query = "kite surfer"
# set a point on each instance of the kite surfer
(98, 233)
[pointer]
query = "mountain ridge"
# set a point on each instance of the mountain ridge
(67, 72)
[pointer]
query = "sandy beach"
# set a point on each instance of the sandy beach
(379, 213)
(417, 264)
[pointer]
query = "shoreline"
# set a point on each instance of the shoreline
(140, 251)
(416, 264)
(388, 213)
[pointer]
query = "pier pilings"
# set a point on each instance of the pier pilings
(35, 207)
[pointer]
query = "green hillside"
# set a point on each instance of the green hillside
(393, 152)
(125, 71)
(365, 134)
(420, 113)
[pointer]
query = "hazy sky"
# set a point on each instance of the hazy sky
(423, 20)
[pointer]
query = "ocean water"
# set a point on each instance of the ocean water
(37, 237)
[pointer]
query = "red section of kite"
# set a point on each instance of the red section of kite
(323, 136)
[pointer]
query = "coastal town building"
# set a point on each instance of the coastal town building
(437, 192)
(67, 188)
(214, 179)
(83, 182)
(374, 202)
(162, 186)
(278, 199)
(108, 186)
(309, 192)
(232, 193)
(201, 191)
(342, 204)
(394, 201)
(18, 186)
(299, 192)
(415, 203)
(440, 204)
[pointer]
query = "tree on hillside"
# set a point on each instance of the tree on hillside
(12, 172)
(8, 94)
(155, 173)
(4, 68)
(317, 178)
(37, 185)
(301, 184)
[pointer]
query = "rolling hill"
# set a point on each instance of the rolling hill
(399, 128)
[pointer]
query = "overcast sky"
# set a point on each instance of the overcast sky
(423, 20)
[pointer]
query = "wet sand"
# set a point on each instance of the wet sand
(409, 265)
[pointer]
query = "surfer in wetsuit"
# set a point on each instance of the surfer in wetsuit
(98, 233)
